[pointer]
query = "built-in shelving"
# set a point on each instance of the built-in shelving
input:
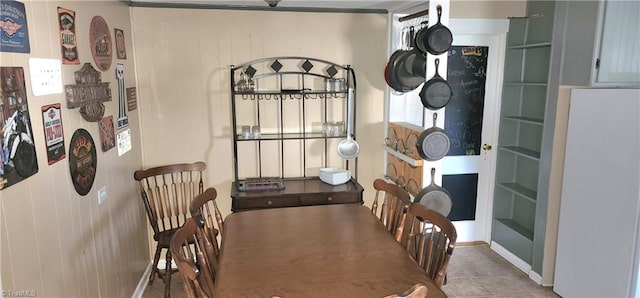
(521, 190)
(528, 120)
(522, 151)
(530, 46)
(527, 233)
(522, 125)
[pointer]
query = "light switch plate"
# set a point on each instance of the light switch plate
(102, 194)
(46, 76)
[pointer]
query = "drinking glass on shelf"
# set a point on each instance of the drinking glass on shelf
(246, 131)
(256, 131)
(338, 129)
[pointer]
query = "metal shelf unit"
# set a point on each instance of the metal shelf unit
(289, 99)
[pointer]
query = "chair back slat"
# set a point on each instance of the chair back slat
(204, 209)
(195, 262)
(167, 192)
(395, 202)
(430, 238)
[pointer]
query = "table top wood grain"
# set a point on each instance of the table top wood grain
(314, 251)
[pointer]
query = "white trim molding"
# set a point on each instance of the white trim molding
(144, 281)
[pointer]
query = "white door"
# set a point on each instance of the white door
(475, 70)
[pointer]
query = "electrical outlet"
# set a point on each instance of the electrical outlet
(102, 194)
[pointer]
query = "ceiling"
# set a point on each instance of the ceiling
(365, 6)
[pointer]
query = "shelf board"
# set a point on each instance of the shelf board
(522, 152)
(287, 92)
(527, 233)
(525, 120)
(535, 84)
(531, 45)
(410, 160)
(289, 136)
(521, 190)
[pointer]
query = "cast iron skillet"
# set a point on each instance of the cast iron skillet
(405, 70)
(436, 39)
(435, 197)
(433, 143)
(436, 92)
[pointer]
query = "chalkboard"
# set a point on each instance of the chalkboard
(463, 189)
(466, 74)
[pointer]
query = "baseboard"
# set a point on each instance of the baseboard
(513, 259)
(519, 263)
(144, 281)
(535, 277)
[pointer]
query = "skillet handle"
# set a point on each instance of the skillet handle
(433, 176)
(435, 117)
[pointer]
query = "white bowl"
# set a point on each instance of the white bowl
(334, 176)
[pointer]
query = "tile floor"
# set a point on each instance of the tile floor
(474, 271)
(477, 271)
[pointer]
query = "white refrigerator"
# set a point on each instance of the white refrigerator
(598, 251)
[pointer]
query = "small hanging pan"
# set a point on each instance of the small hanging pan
(436, 39)
(435, 197)
(433, 143)
(436, 92)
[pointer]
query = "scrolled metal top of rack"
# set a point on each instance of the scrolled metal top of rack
(290, 65)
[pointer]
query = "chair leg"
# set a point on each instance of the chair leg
(167, 276)
(154, 268)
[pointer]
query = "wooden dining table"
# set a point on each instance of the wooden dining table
(315, 251)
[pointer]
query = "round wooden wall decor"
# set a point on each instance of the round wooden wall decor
(82, 161)
(101, 44)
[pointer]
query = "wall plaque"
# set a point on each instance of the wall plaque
(68, 41)
(14, 34)
(123, 119)
(101, 44)
(107, 133)
(88, 94)
(53, 133)
(121, 49)
(82, 161)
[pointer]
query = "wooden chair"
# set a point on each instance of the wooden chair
(167, 192)
(395, 202)
(193, 252)
(204, 208)
(430, 238)
(418, 290)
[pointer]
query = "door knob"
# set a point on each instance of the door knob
(486, 147)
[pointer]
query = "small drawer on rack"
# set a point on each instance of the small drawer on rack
(274, 202)
(329, 198)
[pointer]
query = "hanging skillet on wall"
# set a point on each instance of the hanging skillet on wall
(436, 92)
(435, 197)
(433, 143)
(436, 39)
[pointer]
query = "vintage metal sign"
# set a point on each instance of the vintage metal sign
(88, 94)
(124, 141)
(82, 161)
(68, 42)
(123, 120)
(132, 97)
(14, 35)
(17, 149)
(101, 44)
(107, 133)
(121, 49)
(53, 133)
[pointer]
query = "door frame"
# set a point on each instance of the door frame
(490, 28)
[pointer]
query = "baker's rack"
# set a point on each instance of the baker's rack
(279, 81)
